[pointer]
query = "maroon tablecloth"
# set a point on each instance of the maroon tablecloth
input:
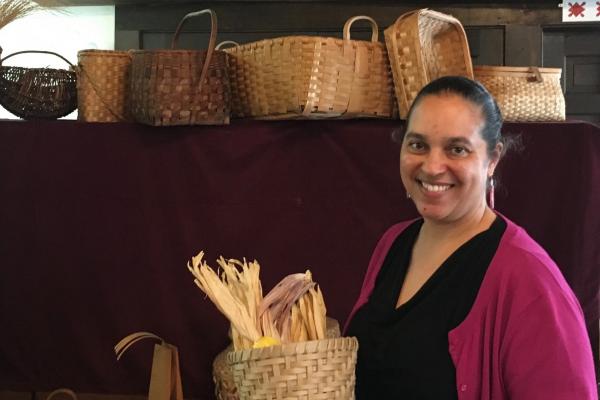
(97, 222)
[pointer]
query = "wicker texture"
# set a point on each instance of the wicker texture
(525, 94)
(312, 77)
(424, 45)
(317, 370)
(103, 85)
(225, 388)
(38, 93)
(181, 87)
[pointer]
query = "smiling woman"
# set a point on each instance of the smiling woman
(462, 303)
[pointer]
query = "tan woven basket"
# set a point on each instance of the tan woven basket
(424, 45)
(525, 93)
(103, 85)
(181, 87)
(312, 77)
(225, 388)
(318, 370)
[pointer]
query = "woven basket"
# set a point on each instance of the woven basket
(225, 388)
(312, 77)
(317, 370)
(38, 93)
(181, 87)
(424, 45)
(525, 93)
(103, 85)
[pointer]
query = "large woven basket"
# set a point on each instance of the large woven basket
(312, 77)
(38, 93)
(318, 370)
(103, 85)
(424, 45)
(525, 93)
(181, 87)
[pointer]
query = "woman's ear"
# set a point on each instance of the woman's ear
(495, 158)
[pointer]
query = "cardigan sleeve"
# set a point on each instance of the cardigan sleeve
(546, 353)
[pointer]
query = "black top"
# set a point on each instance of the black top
(403, 352)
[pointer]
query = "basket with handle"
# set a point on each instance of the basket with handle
(525, 93)
(424, 45)
(318, 369)
(38, 93)
(181, 87)
(312, 77)
(103, 85)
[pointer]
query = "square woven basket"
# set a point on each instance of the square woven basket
(181, 87)
(525, 93)
(424, 45)
(103, 85)
(312, 77)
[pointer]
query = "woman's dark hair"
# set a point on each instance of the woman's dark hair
(475, 93)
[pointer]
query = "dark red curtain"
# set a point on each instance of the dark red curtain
(97, 222)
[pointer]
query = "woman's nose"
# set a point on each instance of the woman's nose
(434, 163)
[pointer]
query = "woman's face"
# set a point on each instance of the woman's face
(444, 162)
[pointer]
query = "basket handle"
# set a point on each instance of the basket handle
(225, 42)
(36, 51)
(374, 27)
(66, 391)
(211, 41)
(537, 75)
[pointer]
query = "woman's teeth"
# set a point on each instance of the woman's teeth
(435, 188)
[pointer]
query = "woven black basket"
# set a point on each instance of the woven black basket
(38, 93)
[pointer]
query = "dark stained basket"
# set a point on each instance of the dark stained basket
(38, 93)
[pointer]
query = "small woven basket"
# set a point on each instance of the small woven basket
(225, 388)
(312, 77)
(181, 87)
(38, 93)
(103, 85)
(525, 93)
(424, 45)
(318, 370)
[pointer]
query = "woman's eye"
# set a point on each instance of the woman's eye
(416, 146)
(458, 151)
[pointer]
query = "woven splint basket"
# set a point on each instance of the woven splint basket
(181, 87)
(103, 85)
(312, 77)
(525, 93)
(318, 370)
(424, 45)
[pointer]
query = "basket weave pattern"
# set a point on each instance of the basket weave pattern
(318, 370)
(164, 88)
(103, 85)
(523, 95)
(181, 87)
(424, 45)
(311, 77)
(38, 93)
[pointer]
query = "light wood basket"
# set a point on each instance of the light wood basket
(103, 85)
(525, 93)
(317, 370)
(312, 77)
(424, 45)
(181, 87)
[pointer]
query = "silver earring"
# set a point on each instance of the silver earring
(491, 200)
(407, 195)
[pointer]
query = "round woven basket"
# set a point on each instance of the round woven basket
(103, 85)
(316, 370)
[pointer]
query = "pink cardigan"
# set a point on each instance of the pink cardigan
(525, 336)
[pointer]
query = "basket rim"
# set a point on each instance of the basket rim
(501, 68)
(311, 346)
(116, 53)
(297, 37)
